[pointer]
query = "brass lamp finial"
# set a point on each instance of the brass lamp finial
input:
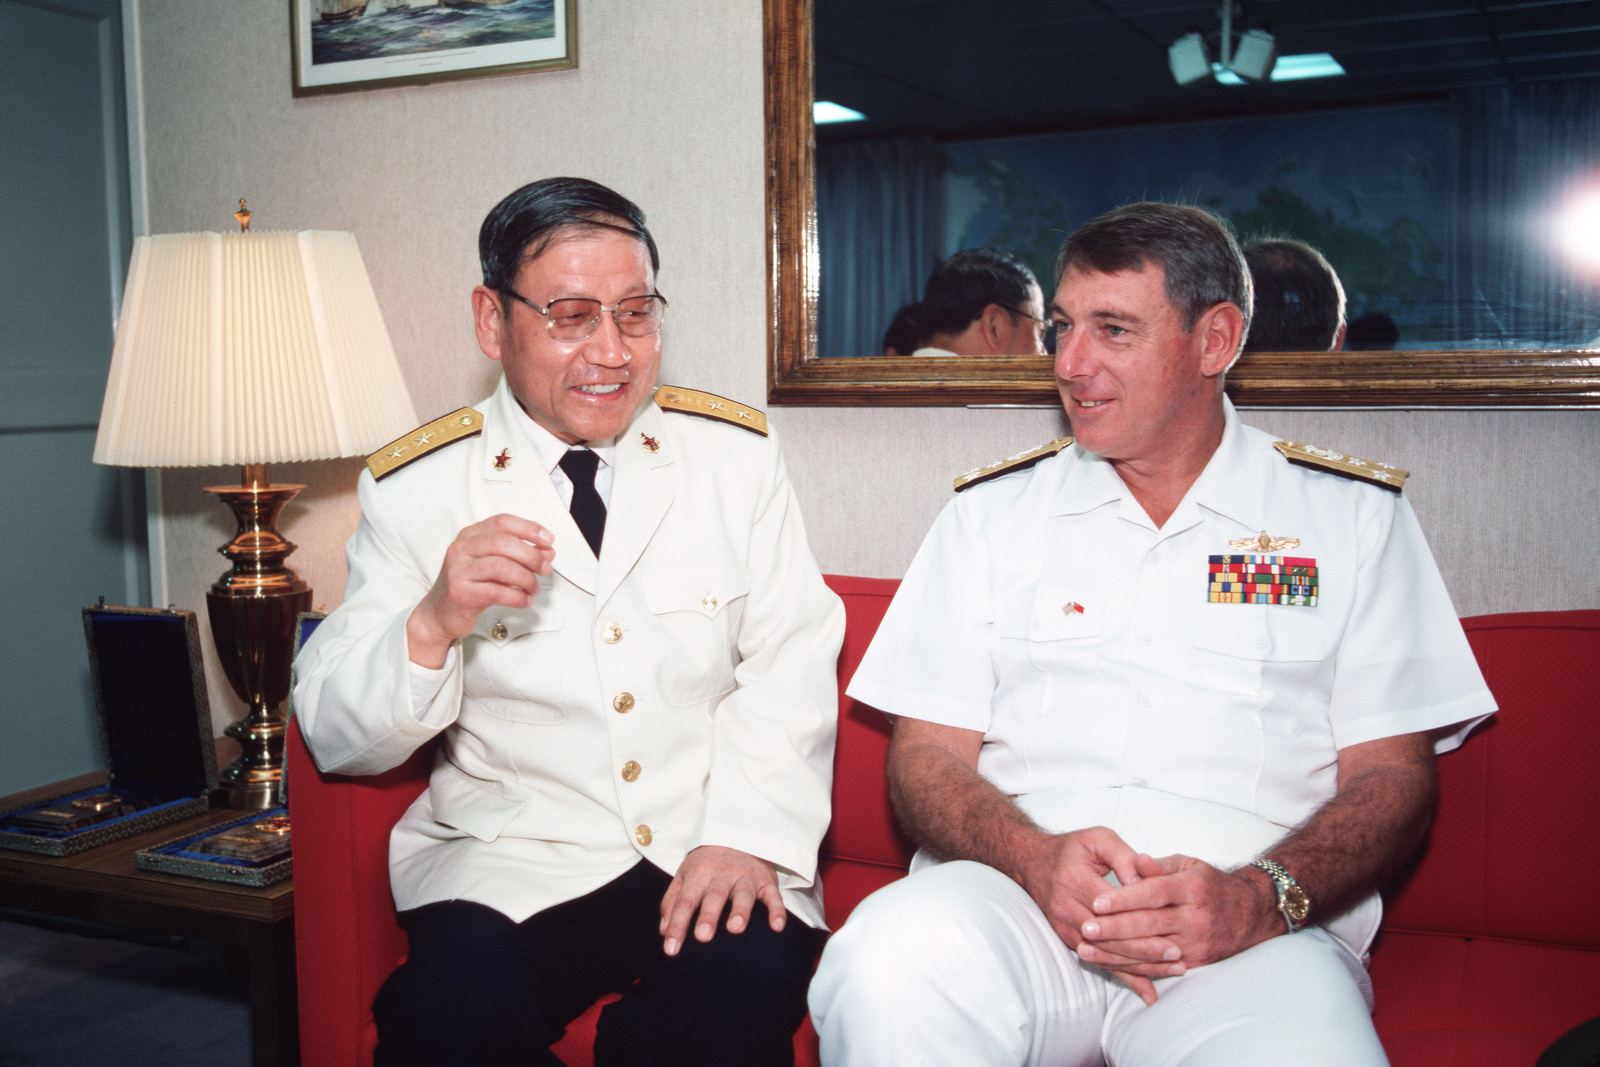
(243, 215)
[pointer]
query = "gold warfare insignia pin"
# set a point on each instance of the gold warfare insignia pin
(1264, 543)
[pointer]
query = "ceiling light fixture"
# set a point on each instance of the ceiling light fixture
(1253, 58)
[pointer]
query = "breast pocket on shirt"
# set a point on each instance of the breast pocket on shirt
(1267, 632)
(697, 606)
(1058, 629)
(1263, 659)
(513, 664)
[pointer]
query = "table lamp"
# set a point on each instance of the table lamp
(251, 349)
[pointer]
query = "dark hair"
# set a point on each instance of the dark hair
(522, 225)
(1194, 249)
(904, 334)
(962, 286)
(1299, 301)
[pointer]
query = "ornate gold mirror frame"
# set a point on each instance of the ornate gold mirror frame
(797, 375)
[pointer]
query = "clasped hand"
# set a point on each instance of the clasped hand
(1166, 916)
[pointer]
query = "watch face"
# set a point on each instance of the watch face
(1295, 903)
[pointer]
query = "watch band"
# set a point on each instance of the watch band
(1293, 904)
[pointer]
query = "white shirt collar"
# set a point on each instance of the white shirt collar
(551, 448)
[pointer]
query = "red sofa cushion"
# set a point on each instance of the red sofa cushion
(1448, 1001)
(1517, 834)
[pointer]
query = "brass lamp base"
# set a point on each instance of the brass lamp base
(253, 609)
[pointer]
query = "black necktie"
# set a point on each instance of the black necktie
(588, 511)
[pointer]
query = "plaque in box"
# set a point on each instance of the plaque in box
(251, 850)
(155, 732)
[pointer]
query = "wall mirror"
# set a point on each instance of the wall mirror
(1438, 173)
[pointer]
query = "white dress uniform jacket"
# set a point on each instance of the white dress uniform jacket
(679, 691)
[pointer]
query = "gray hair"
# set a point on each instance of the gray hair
(1195, 249)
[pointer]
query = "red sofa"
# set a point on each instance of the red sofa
(1490, 949)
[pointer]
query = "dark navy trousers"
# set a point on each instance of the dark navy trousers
(479, 990)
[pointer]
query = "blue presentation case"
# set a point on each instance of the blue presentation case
(155, 730)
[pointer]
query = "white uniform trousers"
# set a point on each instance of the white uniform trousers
(955, 965)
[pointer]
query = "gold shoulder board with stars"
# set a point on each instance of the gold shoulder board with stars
(711, 406)
(456, 426)
(1366, 470)
(1019, 462)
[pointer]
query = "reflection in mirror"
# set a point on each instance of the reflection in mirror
(1091, 68)
(1435, 177)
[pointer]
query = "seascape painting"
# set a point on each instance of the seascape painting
(365, 44)
(397, 28)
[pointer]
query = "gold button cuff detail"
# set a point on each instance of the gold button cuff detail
(710, 602)
(499, 632)
(643, 835)
(630, 771)
(623, 702)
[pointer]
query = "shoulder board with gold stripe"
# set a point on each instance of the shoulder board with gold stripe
(447, 429)
(1019, 462)
(1323, 459)
(711, 406)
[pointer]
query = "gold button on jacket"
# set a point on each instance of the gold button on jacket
(630, 771)
(623, 702)
(642, 834)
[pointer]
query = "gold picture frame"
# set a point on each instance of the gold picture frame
(797, 375)
(346, 45)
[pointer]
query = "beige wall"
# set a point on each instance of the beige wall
(668, 102)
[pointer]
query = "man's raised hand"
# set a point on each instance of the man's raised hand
(496, 562)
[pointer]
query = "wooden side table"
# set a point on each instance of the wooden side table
(102, 885)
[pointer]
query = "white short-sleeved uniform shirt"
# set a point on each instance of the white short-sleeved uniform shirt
(1046, 611)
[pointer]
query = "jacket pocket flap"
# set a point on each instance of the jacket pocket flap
(471, 805)
(703, 586)
(499, 624)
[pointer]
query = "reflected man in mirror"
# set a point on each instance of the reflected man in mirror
(980, 302)
(594, 598)
(1166, 699)
(1299, 299)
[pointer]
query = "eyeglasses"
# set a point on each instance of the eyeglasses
(1045, 329)
(576, 318)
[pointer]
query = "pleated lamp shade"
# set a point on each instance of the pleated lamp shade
(249, 348)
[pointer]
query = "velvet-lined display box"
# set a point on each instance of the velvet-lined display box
(155, 731)
(251, 850)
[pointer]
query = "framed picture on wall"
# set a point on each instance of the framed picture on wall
(342, 45)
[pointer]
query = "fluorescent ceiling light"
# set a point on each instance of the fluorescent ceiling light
(1309, 65)
(1288, 69)
(824, 111)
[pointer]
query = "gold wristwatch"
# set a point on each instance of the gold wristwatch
(1292, 900)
